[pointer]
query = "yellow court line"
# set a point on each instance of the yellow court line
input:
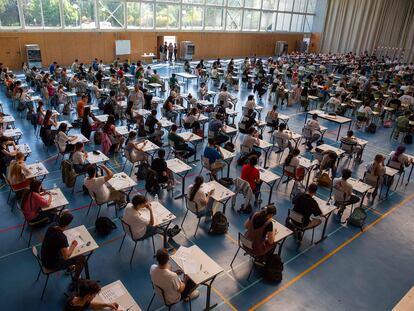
(224, 298)
(322, 260)
(375, 211)
(231, 238)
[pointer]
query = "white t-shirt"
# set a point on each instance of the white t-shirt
(250, 104)
(78, 157)
(62, 138)
(97, 185)
(313, 125)
(137, 219)
(250, 141)
(344, 187)
(169, 282)
(282, 139)
(199, 197)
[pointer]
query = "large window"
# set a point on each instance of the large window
(9, 13)
(79, 13)
(213, 18)
(175, 15)
(251, 20)
(167, 16)
(283, 22)
(233, 19)
(111, 14)
(192, 17)
(140, 15)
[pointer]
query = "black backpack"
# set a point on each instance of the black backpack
(142, 172)
(104, 226)
(273, 269)
(219, 224)
(372, 128)
(226, 182)
(151, 182)
(408, 139)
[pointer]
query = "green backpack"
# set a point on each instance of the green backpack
(357, 218)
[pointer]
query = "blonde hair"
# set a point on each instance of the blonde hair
(16, 168)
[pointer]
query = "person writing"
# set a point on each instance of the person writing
(200, 201)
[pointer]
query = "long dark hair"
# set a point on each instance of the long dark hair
(294, 153)
(86, 113)
(109, 122)
(199, 180)
(47, 117)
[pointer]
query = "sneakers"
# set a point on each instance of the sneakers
(194, 294)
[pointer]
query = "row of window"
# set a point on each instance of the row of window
(257, 15)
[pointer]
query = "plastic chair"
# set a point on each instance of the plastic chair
(128, 231)
(158, 290)
(245, 244)
(197, 213)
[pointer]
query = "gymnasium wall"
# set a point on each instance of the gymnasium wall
(64, 47)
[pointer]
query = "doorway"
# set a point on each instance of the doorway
(162, 39)
(10, 53)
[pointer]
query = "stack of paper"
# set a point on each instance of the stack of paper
(112, 293)
(184, 260)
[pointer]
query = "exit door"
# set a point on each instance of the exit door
(10, 54)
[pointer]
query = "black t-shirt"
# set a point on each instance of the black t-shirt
(160, 166)
(151, 122)
(305, 205)
(52, 244)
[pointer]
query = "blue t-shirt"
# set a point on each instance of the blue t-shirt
(212, 154)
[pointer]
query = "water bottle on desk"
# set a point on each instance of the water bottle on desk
(156, 198)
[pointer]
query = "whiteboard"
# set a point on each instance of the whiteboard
(122, 47)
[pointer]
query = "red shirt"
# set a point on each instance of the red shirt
(250, 174)
(32, 205)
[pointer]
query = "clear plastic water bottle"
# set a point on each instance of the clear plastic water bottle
(54, 186)
(156, 198)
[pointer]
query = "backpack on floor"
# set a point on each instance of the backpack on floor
(387, 123)
(104, 226)
(408, 139)
(229, 146)
(219, 224)
(226, 182)
(68, 174)
(372, 128)
(324, 180)
(97, 138)
(142, 172)
(151, 182)
(273, 269)
(357, 218)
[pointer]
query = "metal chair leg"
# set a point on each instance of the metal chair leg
(38, 275)
(153, 244)
(44, 287)
(251, 269)
(198, 224)
(235, 255)
(122, 243)
(185, 215)
(24, 225)
(152, 299)
(89, 207)
(133, 252)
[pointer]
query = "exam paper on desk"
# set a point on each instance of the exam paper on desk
(74, 235)
(183, 256)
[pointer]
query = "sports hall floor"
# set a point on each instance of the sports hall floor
(350, 270)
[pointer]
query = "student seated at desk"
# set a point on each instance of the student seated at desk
(363, 115)
(260, 231)
(191, 121)
(315, 128)
(180, 143)
(402, 124)
(110, 129)
(132, 151)
(282, 139)
(169, 111)
(248, 120)
(5, 154)
(81, 300)
(305, 204)
(135, 216)
(203, 91)
(33, 201)
(251, 174)
(80, 106)
(197, 196)
(252, 142)
(216, 127)
(89, 123)
(56, 251)
(159, 165)
(377, 169)
(292, 167)
(251, 103)
(272, 119)
(18, 172)
(344, 194)
(169, 281)
(333, 103)
(328, 162)
(351, 141)
(214, 155)
(97, 186)
(64, 140)
(225, 97)
(79, 158)
(399, 156)
(110, 104)
(173, 81)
